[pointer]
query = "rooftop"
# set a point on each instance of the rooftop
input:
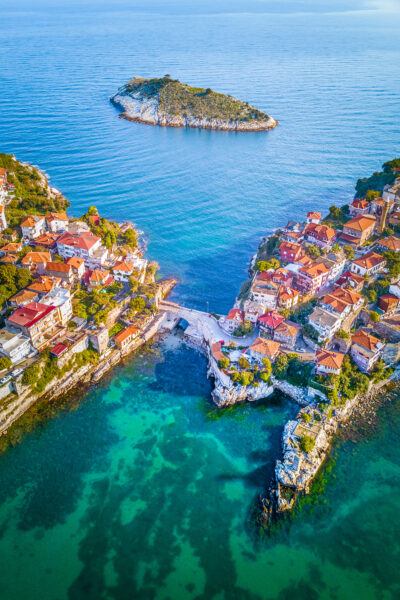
(329, 359)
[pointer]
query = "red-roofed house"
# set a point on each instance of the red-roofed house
(389, 303)
(358, 207)
(351, 281)
(37, 321)
(122, 270)
(328, 362)
(83, 245)
(322, 235)
(263, 348)
(312, 278)
(358, 230)
(369, 264)
(288, 297)
(290, 252)
(32, 226)
(234, 319)
(97, 279)
(366, 349)
(78, 266)
(270, 321)
(57, 222)
(314, 217)
(125, 337)
(60, 270)
(286, 334)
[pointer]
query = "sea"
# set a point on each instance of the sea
(140, 488)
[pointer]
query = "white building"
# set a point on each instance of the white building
(57, 222)
(326, 323)
(14, 345)
(32, 227)
(3, 220)
(60, 298)
(83, 245)
(125, 268)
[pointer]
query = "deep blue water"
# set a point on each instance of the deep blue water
(142, 490)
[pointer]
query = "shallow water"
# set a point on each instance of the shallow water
(143, 489)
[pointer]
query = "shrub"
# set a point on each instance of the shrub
(306, 417)
(5, 363)
(307, 443)
(224, 363)
(342, 334)
(374, 316)
(30, 375)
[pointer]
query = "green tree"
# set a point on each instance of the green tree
(374, 316)
(307, 443)
(306, 417)
(5, 363)
(280, 366)
(262, 265)
(349, 252)
(224, 363)
(342, 334)
(313, 251)
(393, 263)
(92, 211)
(372, 195)
(30, 375)
(335, 248)
(137, 304)
(129, 237)
(246, 378)
(274, 263)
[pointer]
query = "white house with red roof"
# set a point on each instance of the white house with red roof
(234, 318)
(358, 207)
(270, 321)
(369, 264)
(57, 222)
(314, 217)
(96, 279)
(37, 321)
(328, 362)
(32, 226)
(313, 277)
(322, 235)
(366, 349)
(83, 245)
(290, 251)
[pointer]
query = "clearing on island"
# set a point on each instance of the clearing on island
(170, 103)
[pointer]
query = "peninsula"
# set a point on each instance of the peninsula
(170, 103)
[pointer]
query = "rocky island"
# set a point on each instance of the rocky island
(170, 103)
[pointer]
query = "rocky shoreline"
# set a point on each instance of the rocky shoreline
(139, 109)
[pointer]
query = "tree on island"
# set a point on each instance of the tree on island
(307, 443)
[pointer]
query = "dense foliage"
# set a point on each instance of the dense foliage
(32, 193)
(379, 179)
(12, 280)
(176, 98)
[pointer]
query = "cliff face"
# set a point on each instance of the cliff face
(157, 108)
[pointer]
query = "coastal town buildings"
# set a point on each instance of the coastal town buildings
(359, 229)
(263, 348)
(14, 345)
(32, 227)
(328, 362)
(37, 321)
(366, 349)
(368, 264)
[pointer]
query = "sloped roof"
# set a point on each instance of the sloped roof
(84, 240)
(33, 258)
(329, 359)
(390, 243)
(126, 333)
(271, 319)
(366, 340)
(360, 222)
(268, 348)
(369, 260)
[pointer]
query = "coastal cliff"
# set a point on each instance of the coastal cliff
(170, 103)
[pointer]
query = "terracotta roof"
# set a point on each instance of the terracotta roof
(366, 340)
(313, 215)
(288, 293)
(98, 276)
(126, 333)
(9, 259)
(329, 359)
(287, 329)
(271, 319)
(31, 221)
(23, 296)
(75, 262)
(390, 243)
(314, 270)
(289, 247)
(359, 203)
(216, 351)
(387, 301)
(84, 240)
(369, 260)
(235, 314)
(123, 265)
(11, 247)
(351, 298)
(46, 239)
(34, 258)
(266, 347)
(349, 275)
(53, 216)
(58, 267)
(30, 314)
(322, 232)
(360, 222)
(338, 305)
(44, 284)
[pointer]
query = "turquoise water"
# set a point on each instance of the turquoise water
(142, 489)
